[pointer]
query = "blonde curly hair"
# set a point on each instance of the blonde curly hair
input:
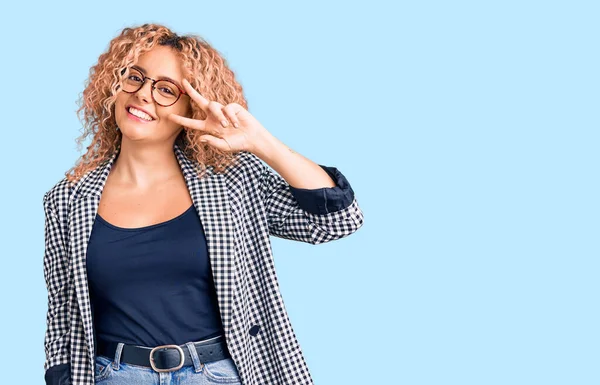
(204, 68)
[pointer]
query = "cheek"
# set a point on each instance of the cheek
(179, 110)
(119, 104)
(185, 110)
(118, 109)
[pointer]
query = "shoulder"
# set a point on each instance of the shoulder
(58, 195)
(248, 165)
(246, 175)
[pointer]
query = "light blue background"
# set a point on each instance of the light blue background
(468, 130)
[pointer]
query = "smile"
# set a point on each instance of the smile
(140, 115)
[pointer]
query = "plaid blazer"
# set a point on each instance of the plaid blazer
(239, 210)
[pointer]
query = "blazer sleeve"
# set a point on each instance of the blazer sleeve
(56, 275)
(310, 215)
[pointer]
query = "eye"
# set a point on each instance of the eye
(168, 90)
(135, 78)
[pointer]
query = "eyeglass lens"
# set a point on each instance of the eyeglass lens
(164, 92)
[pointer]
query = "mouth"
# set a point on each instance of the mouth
(139, 115)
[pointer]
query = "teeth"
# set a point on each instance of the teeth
(139, 114)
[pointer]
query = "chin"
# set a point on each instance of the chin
(136, 131)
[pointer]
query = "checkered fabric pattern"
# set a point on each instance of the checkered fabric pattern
(239, 209)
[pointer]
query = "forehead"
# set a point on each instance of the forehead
(161, 61)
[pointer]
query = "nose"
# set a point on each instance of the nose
(145, 93)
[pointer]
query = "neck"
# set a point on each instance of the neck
(142, 165)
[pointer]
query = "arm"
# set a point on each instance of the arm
(56, 275)
(308, 202)
(310, 215)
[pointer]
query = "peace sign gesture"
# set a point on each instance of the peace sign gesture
(230, 128)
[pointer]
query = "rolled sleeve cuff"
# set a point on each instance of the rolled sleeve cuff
(58, 375)
(327, 199)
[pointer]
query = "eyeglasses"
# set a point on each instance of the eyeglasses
(164, 92)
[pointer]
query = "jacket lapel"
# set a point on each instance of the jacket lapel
(210, 197)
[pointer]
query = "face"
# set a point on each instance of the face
(158, 63)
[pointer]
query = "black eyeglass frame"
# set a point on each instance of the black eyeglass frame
(153, 87)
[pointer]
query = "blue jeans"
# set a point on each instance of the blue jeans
(111, 371)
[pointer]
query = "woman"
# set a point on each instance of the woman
(157, 257)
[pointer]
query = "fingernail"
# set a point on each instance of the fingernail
(236, 125)
(224, 123)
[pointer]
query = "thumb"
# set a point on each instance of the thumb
(208, 138)
(219, 143)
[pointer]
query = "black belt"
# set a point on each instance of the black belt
(166, 358)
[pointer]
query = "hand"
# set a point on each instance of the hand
(231, 128)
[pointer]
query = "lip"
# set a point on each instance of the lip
(138, 108)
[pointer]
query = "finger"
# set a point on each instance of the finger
(188, 122)
(231, 111)
(216, 109)
(196, 96)
(219, 143)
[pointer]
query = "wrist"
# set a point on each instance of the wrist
(264, 145)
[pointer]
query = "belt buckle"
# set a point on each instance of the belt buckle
(169, 369)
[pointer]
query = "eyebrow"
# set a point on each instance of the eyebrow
(143, 71)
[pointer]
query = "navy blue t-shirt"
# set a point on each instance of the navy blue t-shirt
(152, 285)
